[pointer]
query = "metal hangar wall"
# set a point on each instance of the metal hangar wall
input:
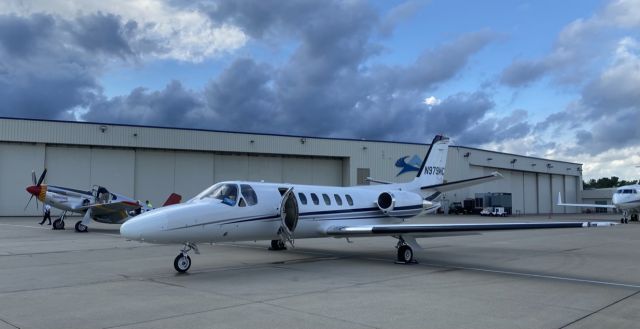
(149, 163)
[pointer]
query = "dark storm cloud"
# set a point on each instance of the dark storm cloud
(242, 98)
(513, 126)
(327, 86)
(20, 36)
(172, 106)
(41, 76)
(50, 65)
(103, 33)
(521, 73)
(438, 65)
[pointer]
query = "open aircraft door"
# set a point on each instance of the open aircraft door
(289, 214)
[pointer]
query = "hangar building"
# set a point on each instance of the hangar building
(149, 163)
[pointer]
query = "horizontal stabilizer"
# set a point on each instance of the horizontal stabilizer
(369, 179)
(584, 205)
(449, 186)
(428, 229)
(173, 199)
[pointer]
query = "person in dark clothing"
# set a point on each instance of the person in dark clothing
(46, 214)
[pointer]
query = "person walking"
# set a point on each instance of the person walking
(46, 214)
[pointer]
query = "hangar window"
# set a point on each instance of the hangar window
(303, 198)
(315, 199)
(327, 201)
(249, 194)
(338, 199)
(349, 200)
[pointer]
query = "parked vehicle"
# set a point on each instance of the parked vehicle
(493, 211)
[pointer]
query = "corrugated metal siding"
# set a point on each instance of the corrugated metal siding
(228, 154)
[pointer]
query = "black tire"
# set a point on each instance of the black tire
(58, 224)
(81, 228)
(405, 254)
(278, 245)
(182, 263)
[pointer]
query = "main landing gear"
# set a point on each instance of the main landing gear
(278, 245)
(405, 253)
(625, 217)
(81, 227)
(58, 224)
(182, 262)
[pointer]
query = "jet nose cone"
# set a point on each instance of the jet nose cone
(34, 190)
(129, 231)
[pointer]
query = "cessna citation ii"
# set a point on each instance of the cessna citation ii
(625, 199)
(98, 204)
(248, 211)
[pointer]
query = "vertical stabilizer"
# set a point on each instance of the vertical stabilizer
(433, 166)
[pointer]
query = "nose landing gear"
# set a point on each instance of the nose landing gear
(182, 262)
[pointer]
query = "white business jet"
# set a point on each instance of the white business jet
(625, 199)
(280, 212)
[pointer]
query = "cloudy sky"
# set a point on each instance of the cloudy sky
(556, 79)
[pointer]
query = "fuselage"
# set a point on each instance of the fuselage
(627, 198)
(206, 218)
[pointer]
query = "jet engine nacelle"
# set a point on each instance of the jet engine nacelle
(401, 204)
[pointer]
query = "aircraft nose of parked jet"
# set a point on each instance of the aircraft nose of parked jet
(144, 227)
(34, 190)
(129, 230)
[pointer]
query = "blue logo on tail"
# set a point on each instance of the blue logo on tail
(413, 165)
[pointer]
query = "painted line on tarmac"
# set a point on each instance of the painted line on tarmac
(533, 275)
(49, 229)
(27, 226)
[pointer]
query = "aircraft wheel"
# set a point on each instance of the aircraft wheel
(81, 227)
(58, 224)
(278, 245)
(182, 263)
(405, 254)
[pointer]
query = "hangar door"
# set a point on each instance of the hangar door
(160, 173)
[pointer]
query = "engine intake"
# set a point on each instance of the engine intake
(400, 204)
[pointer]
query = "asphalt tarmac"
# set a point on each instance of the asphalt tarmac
(564, 278)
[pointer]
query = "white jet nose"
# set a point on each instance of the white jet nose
(130, 230)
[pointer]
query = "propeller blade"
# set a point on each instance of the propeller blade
(33, 177)
(25, 207)
(44, 173)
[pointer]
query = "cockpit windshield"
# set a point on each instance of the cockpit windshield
(225, 192)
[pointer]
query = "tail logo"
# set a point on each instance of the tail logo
(413, 164)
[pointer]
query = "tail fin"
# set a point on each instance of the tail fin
(172, 199)
(433, 166)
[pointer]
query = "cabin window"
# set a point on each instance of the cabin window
(315, 199)
(249, 194)
(303, 198)
(241, 203)
(327, 201)
(349, 200)
(338, 199)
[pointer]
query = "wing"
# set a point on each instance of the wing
(115, 210)
(449, 186)
(439, 229)
(584, 205)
